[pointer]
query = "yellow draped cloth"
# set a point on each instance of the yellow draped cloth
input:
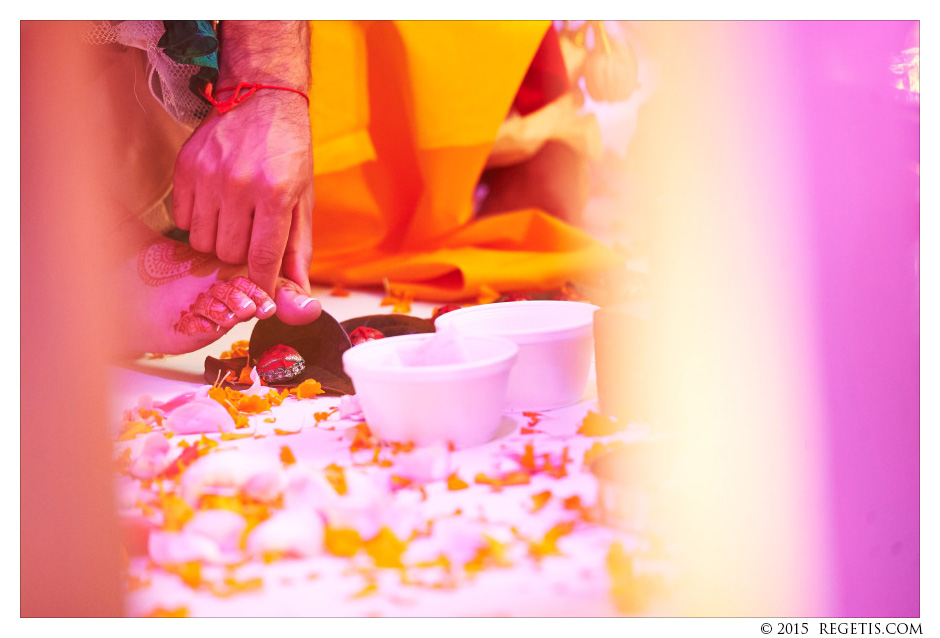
(404, 115)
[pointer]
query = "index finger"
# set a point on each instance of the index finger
(266, 248)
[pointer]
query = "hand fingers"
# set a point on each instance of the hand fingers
(182, 193)
(268, 241)
(234, 232)
(299, 252)
(205, 221)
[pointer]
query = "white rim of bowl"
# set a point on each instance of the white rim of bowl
(353, 364)
(572, 327)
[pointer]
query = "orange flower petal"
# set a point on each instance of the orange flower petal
(548, 545)
(341, 541)
(308, 389)
(287, 456)
(176, 612)
(232, 436)
(399, 482)
(534, 417)
(595, 424)
(238, 349)
(540, 500)
(323, 416)
(276, 398)
(528, 458)
(454, 483)
(516, 478)
(245, 375)
(598, 448)
(386, 549)
(230, 586)
(363, 439)
(337, 478)
(338, 291)
(137, 427)
(190, 572)
(368, 590)
(176, 512)
(398, 299)
(253, 404)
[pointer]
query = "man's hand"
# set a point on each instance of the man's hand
(243, 183)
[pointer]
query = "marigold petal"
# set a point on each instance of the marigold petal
(237, 349)
(386, 549)
(176, 612)
(287, 456)
(245, 375)
(455, 483)
(190, 572)
(323, 416)
(341, 541)
(540, 500)
(595, 424)
(232, 436)
(399, 482)
(368, 590)
(253, 404)
(337, 478)
(339, 291)
(309, 389)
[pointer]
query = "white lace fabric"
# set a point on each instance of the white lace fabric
(167, 79)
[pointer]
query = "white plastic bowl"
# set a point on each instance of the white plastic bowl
(556, 347)
(457, 402)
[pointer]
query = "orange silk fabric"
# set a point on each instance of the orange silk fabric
(404, 115)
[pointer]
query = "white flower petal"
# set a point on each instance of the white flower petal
(229, 470)
(222, 527)
(152, 458)
(199, 416)
(292, 532)
(173, 548)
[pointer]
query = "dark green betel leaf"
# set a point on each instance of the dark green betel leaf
(321, 343)
(216, 369)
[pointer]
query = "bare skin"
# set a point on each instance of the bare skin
(245, 176)
(243, 182)
(182, 300)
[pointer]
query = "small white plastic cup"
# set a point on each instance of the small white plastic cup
(457, 402)
(556, 347)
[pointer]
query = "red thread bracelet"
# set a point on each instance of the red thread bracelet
(238, 97)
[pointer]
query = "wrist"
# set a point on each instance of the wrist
(242, 91)
(266, 52)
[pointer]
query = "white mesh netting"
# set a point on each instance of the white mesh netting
(168, 80)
